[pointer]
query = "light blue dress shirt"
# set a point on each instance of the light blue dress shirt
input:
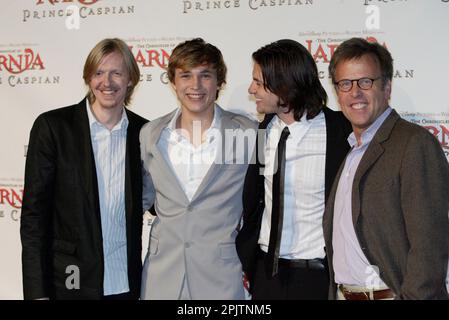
(109, 147)
(350, 264)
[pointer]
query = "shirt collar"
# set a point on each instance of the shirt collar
(297, 128)
(209, 133)
(93, 122)
(369, 133)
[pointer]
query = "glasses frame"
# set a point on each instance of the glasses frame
(337, 83)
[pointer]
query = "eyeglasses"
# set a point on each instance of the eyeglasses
(345, 85)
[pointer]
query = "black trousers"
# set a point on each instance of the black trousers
(302, 282)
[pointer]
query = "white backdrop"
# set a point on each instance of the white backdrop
(43, 49)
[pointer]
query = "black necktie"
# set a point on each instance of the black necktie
(277, 209)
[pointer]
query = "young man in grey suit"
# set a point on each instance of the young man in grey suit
(194, 177)
(386, 222)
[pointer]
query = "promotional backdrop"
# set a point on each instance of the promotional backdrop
(44, 43)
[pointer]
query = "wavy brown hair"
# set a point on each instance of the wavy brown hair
(194, 53)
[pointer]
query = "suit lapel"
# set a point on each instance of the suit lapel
(372, 154)
(223, 149)
(261, 143)
(128, 172)
(336, 148)
(256, 170)
(328, 219)
(83, 150)
(160, 162)
(132, 163)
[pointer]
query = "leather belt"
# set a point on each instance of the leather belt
(366, 295)
(311, 264)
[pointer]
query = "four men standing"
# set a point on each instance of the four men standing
(385, 224)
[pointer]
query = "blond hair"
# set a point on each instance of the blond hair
(102, 49)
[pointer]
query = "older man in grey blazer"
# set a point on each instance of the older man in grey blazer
(386, 223)
(195, 160)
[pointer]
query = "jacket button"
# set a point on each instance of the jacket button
(187, 245)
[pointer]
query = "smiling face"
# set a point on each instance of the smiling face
(110, 82)
(196, 89)
(266, 101)
(362, 107)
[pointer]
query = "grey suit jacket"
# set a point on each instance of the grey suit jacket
(400, 203)
(193, 239)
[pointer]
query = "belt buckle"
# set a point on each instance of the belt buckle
(366, 295)
(349, 295)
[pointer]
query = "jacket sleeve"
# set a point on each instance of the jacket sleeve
(148, 192)
(424, 178)
(36, 210)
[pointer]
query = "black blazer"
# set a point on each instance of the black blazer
(60, 222)
(338, 129)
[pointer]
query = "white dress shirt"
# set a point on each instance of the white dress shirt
(189, 163)
(109, 149)
(304, 186)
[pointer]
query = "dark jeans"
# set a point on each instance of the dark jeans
(303, 282)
